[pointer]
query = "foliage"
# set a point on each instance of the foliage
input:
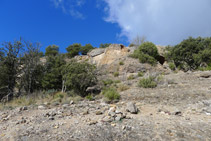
(73, 50)
(85, 49)
(108, 82)
(121, 63)
(105, 45)
(146, 53)
(190, 53)
(10, 64)
(131, 77)
(111, 94)
(80, 76)
(132, 45)
(89, 97)
(53, 73)
(172, 66)
(122, 87)
(32, 70)
(52, 50)
(116, 74)
(148, 82)
(140, 74)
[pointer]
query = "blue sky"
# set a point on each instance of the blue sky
(41, 21)
(64, 22)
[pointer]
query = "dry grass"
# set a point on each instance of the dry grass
(37, 99)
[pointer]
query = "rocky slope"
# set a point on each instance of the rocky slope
(179, 108)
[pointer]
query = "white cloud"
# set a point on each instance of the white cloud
(161, 21)
(70, 7)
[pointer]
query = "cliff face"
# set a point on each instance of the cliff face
(109, 55)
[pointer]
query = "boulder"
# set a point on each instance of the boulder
(96, 52)
(131, 107)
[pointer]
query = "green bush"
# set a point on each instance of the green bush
(132, 45)
(121, 63)
(191, 53)
(111, 94)
(172, 66)
(89, 97)
(131, 77)
(148, 82)
(108, 82)
(79, 76)
(146, 53)
(116, 74)
(140, 74)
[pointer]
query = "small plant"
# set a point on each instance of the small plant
(140, 74)
(111, 94)
(116, 74)
(122, 87)
(148, 82)
(117, 81)
(208, 68)
(108, 82)
(172, 66)
(132, 45)
(121, 63)
(89, 97)
(131, 77)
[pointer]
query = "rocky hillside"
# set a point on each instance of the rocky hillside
(179, 108)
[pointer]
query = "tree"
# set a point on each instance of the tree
(80, 76)
(52, 50)
(190, 53)
(138, 40)
(32, 69)
(105, 45)
(73, 50)
(11, 64)
(85, 49)
(53, 73)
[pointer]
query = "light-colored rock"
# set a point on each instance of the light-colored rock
(41, 107)
(96, 52)
(131, 107)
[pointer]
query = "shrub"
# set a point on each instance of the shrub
(140, 74)
(116, 74)
(132, 45)
(131, 77)
(108, 82)
(122, 87)
(79, 76)
(117, 81)
(146, 53)
(190, 53)
(89, 97)
(148, 82)
(121, 63)
(172, 66)
(111, 94)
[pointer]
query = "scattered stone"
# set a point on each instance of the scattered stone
(41, 107)
(131, 107)
(205, 74)
(23, 108)
(178, 113)
(99, 113)
(108, 119)
(86, 112)
(71, 102)
(51, 118)
(92, 122)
